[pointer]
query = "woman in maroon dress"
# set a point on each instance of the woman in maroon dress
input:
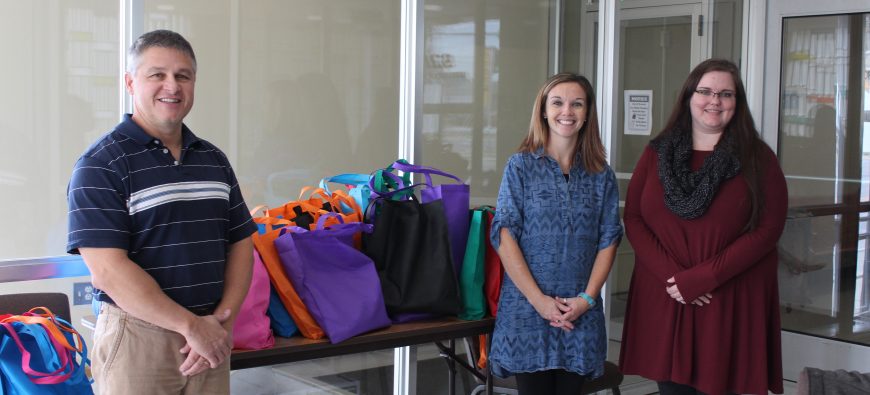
(704, 211)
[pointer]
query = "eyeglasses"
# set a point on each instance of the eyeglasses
(711, 93)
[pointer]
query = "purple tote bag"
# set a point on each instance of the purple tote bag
(338, 283)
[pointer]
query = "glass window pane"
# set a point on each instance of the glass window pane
(61, 58)
(484, 63)
(292, 91)
(808, 251)
(862, 282)
(811, 132)
(727, 29)
(573, 39)
(825, 153)
(319, 92)
(657, 55)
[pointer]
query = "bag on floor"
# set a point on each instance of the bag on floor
(42, 354)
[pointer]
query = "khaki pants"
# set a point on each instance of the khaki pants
(131, 356)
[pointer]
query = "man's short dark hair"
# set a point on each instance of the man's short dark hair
(158, 38)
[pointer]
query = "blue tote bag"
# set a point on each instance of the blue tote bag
(42, 358)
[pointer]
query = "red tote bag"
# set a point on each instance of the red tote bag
(493, 275)
(493, 270)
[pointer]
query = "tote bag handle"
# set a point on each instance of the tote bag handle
(50, 327)
(336, 200)
(346, 179)
(427, 171)
(59, 375)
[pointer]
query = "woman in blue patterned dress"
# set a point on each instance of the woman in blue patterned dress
(556, 230)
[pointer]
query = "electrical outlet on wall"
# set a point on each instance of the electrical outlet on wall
(82, 293)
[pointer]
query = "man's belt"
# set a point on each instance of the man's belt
(203, 310)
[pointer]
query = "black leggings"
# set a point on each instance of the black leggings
(549, 382)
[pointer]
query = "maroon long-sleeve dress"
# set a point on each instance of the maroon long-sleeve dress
(732, 344)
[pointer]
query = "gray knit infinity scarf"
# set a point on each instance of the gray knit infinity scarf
(688, 193)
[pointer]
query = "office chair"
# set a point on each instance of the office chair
(611, 379)
(58, 303)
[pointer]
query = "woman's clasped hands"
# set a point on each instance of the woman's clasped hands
(674, 292)
(561, 311)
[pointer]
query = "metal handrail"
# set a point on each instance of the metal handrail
(42, 268)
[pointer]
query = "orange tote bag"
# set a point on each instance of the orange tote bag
(265, 245)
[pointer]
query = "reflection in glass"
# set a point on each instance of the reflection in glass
(296, 91)
(61, 64)
(484, 62)
(811, 137)
(862, 282)
(808, 254)
(319, 92)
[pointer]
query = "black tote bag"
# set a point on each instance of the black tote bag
(410, 246)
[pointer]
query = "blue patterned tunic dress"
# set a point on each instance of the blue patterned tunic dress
(560, 226)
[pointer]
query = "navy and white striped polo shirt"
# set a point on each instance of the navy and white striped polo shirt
(175, 220)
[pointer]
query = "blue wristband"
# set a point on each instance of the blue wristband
(588, 298)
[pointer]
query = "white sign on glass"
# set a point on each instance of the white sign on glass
(638, 112)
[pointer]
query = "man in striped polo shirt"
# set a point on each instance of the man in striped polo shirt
(157, 215)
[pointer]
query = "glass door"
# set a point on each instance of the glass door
(824, 150)
(658, 47)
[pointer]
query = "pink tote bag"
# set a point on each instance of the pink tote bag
(251, 330)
